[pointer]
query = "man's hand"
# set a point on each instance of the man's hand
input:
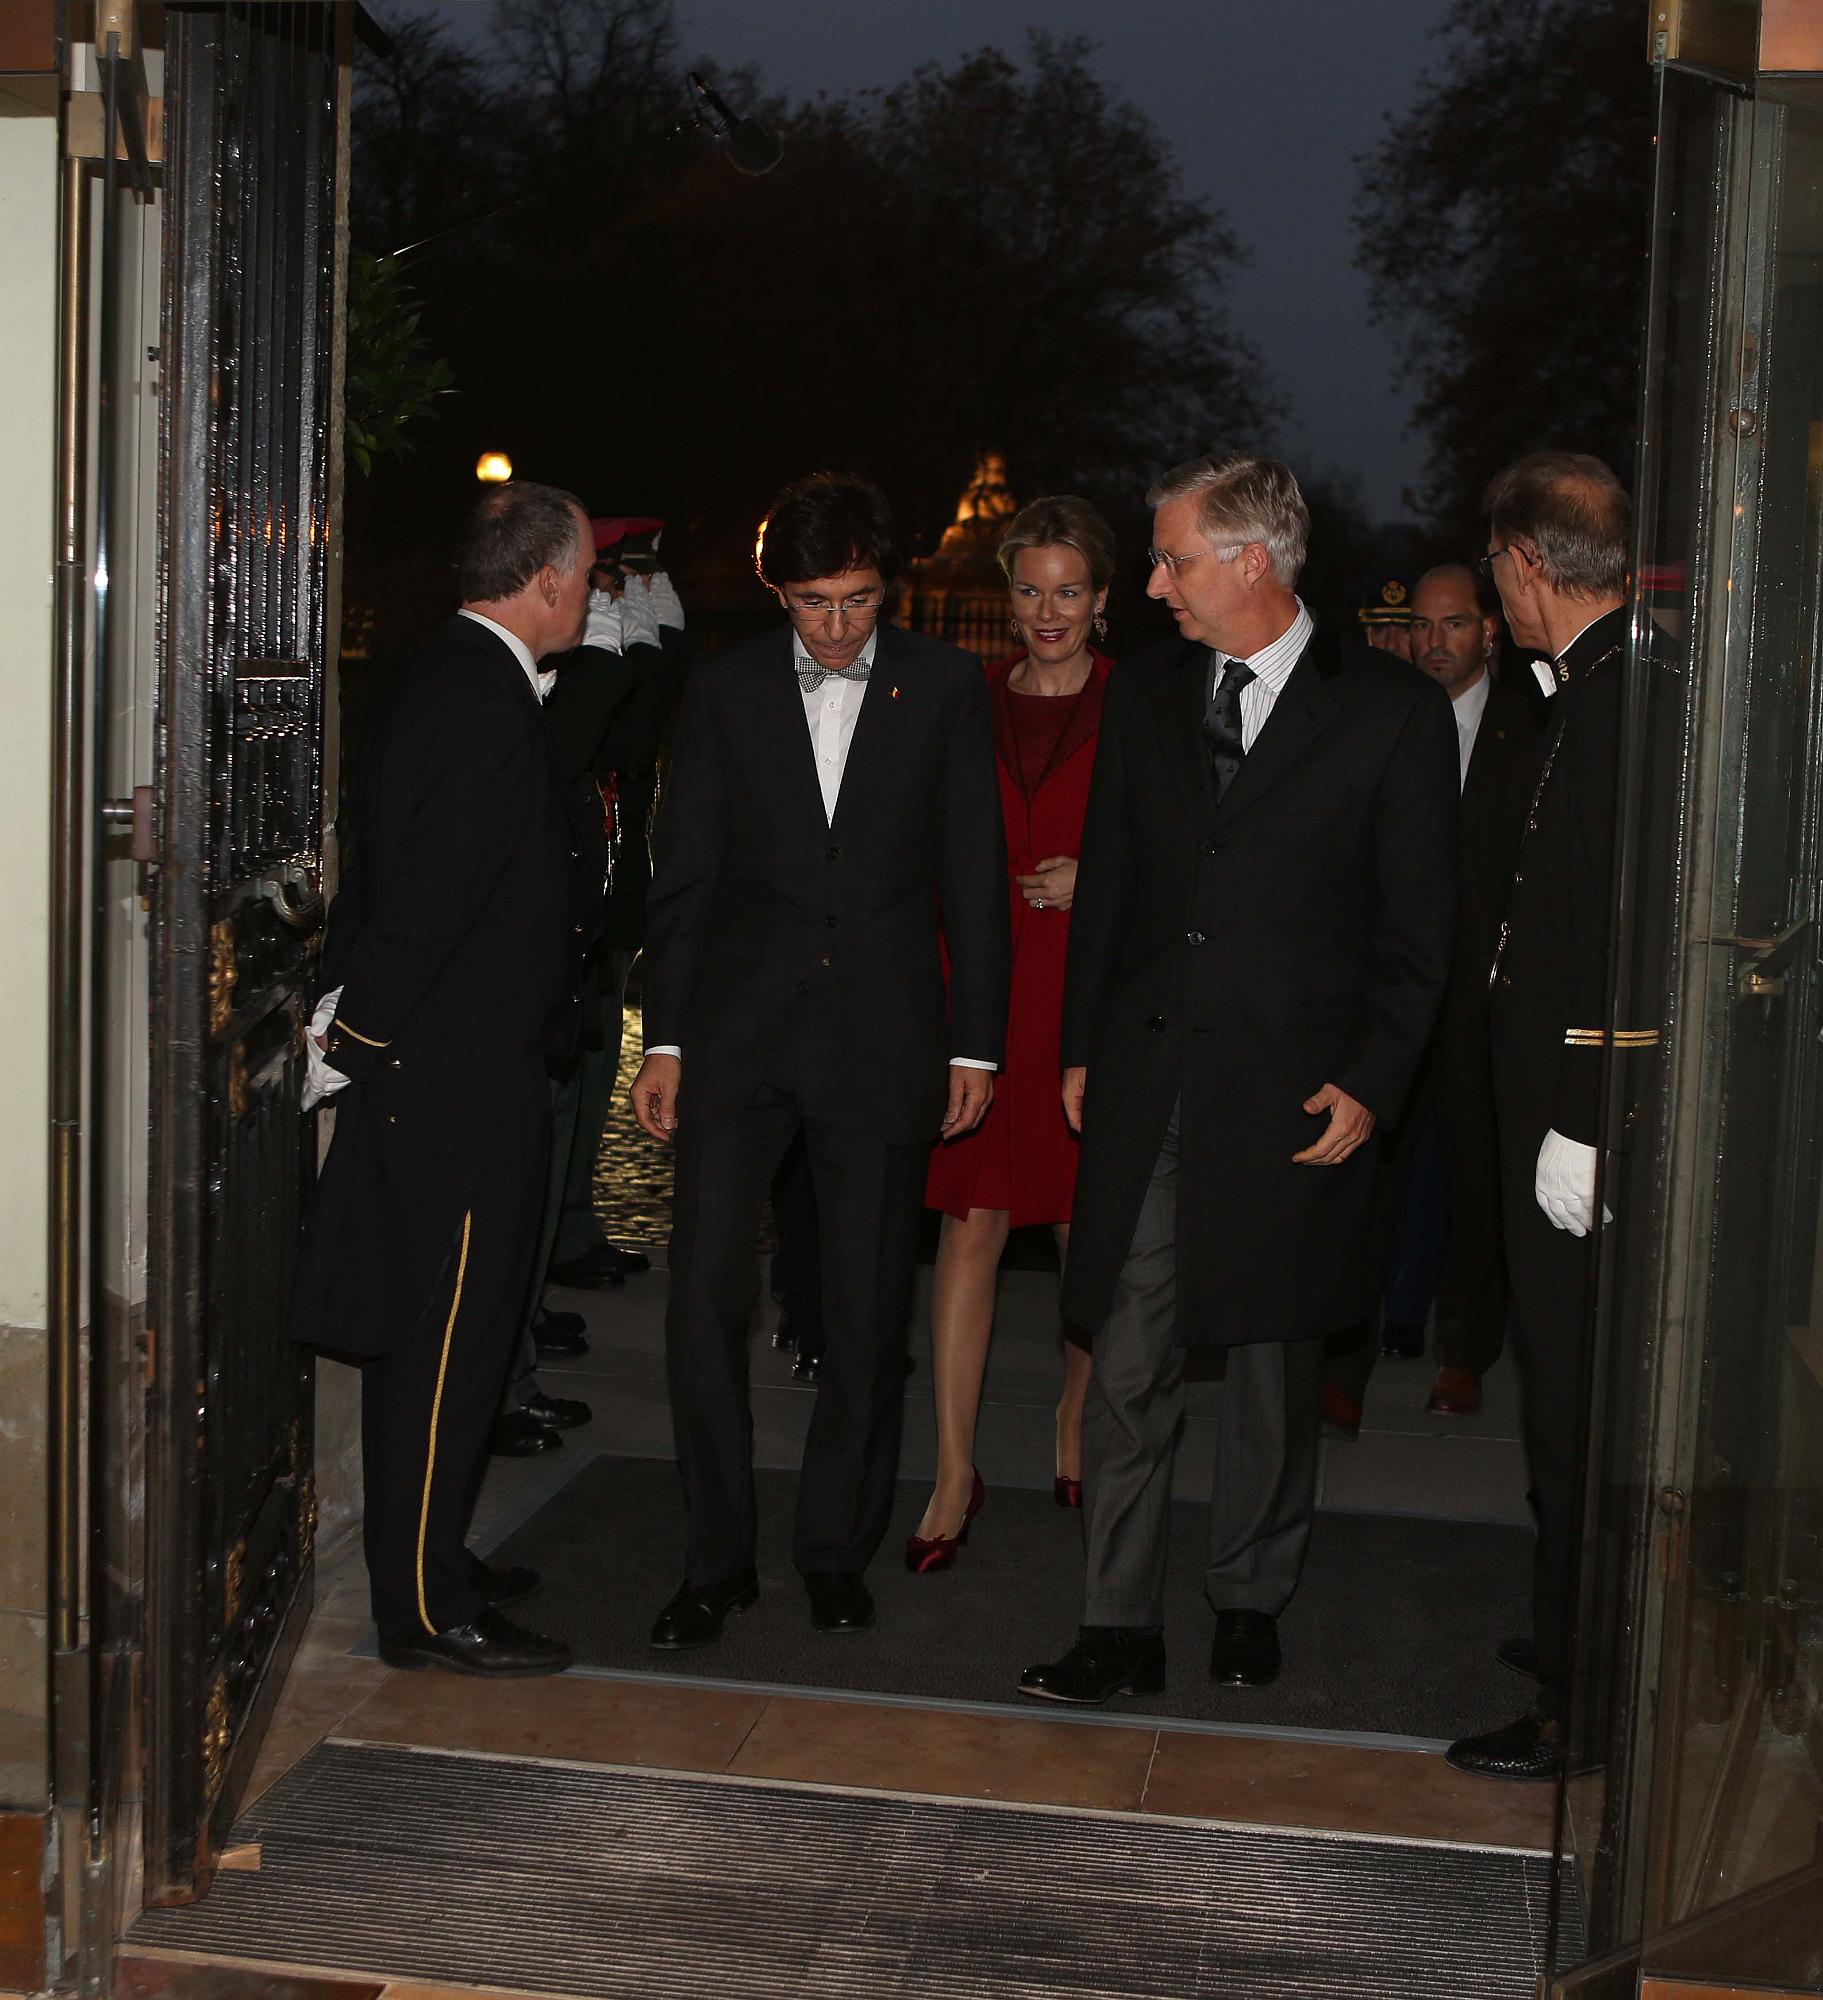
(1563, 1184)
(654, 1095)
(1053, 887)
(1350, 1127)
(971, 1091)
(1075, 1081)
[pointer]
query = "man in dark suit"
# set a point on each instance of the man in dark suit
(1260, 942)
(1440, 1193)
(832, 805)
(454, 952)
(1557, 552)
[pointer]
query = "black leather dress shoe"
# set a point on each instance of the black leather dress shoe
(695, 1616)
(557, 1413)
(559, 1336)
(1519, 1655)
(631, 1262)
(490, 1644)
(1530, 1749)
(596, 1270)
(503, 1584)
(1106, 1660)
(839, 1600)
(518, 1434)
(1246, 1649)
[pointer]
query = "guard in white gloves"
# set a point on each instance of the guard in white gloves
(1557, 552)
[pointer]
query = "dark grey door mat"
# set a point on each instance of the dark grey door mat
(565, 1879)
(1392, 1631)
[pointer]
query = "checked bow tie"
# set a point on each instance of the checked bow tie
(811, 676)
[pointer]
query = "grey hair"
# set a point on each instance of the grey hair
(1574, 512)
(514, 532)
(1240, 499)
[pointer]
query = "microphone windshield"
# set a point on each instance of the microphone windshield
(753, 148)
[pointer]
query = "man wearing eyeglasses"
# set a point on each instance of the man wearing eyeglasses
(833, 830)
(1260, 942)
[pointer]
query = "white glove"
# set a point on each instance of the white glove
(639, 618)
(321, 1079)
(605, 622)
(1564, 1184)
(662, 594)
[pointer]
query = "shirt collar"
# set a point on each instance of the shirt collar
(1550, 673)
(1273, 664)
(1472, 702)
(865, 657)
(542, 683)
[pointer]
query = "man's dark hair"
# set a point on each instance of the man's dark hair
(511, 533)
(826, 525)
(1574, 512)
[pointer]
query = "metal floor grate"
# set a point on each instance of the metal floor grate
(581, 1881)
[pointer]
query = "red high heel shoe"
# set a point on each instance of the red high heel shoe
(1066, 1492)
(926, 1554)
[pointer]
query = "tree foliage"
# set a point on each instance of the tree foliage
(1503, 221)
(995, 253)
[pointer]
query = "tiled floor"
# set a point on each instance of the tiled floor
(1406, 1461)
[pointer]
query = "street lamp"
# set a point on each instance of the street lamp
(493, 468)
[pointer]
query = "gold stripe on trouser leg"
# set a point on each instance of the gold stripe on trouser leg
(436, 1410)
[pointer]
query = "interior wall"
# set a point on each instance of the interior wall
(28, 361)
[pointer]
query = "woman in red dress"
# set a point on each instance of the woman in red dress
(1019, 1164)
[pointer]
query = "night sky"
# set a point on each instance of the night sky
(1264, 106)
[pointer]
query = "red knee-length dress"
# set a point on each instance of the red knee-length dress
(1022, 1156)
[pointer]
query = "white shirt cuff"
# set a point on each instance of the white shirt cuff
(969, 1062)
(666, 1049)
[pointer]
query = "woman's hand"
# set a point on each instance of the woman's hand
(1053, 886)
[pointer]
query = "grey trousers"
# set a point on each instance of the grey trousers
(1265, 1475)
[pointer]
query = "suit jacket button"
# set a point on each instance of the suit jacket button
(803, 985)
(393, 1062)
(834, 853)
(574, 855)
(1212, 846)
(1157, 1024)
(829, 923)
(823, 958)
(1196, 937)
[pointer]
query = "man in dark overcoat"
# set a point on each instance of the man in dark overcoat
(1558, 548)
(833, 823)
(1260, 941)
(454, 956)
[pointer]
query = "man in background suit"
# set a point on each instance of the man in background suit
(454, 955)
(1559, 527)
(1440, 1197)
(833, 803)
(1258, 949)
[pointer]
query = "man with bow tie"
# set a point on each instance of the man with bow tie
(832, 828)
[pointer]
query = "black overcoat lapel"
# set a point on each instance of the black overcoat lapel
(1184, 699)
(1308, 703)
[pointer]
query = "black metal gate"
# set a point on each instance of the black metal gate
(248, 333)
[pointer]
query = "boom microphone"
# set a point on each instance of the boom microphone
(753, 148)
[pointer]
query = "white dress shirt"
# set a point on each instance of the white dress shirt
(831, 711)
(1272, 667)
(542, 683)
(1470, 706)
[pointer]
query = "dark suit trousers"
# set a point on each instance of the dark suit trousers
(868, 1202)
(1551, 1273)
(1472, 1289)
(797, 1268)
(1264, 1486)
(428, 1403)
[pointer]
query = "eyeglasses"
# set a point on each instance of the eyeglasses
(1484, 565)
(1178, 564)
(863, 604)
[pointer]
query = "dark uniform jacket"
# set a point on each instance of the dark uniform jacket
(1549, 988)
(763, 914)
(456, 939)
(1234, 959)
